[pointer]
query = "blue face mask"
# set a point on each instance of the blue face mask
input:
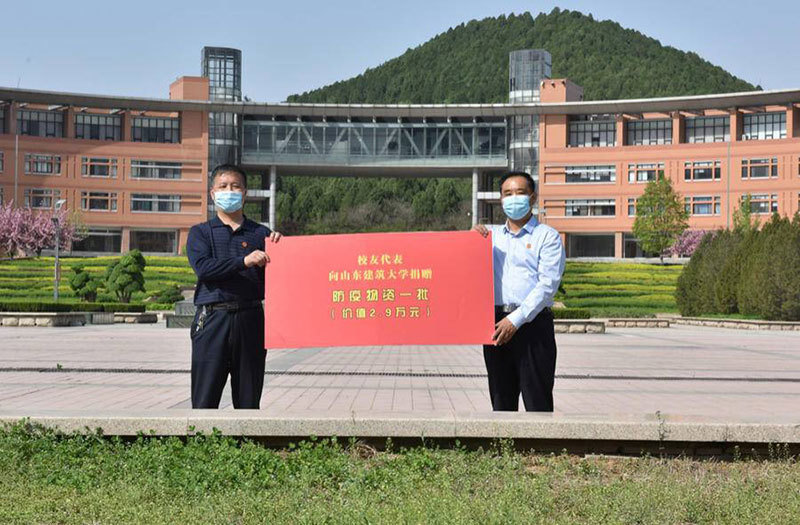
(228, 201)
(516, 206)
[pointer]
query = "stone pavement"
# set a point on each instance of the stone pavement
(681, 371)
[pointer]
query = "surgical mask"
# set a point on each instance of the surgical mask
(228, 201)
(516, 206)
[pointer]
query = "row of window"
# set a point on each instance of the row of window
(104, 167)
(703, 170)
(587, 131)
(761, 203)
(45, 198)
(41, 123)
(110, 240)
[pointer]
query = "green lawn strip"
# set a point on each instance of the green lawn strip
(634, 289)
(213, 479)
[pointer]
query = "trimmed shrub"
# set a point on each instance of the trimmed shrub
(49, 306)
(84, 284)
(571, 313)
(126, 276)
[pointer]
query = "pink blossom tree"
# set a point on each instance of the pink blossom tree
(687, 243)
(25, 232)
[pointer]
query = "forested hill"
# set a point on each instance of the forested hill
(469, 63)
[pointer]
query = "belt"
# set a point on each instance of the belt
(508, 308)
(233, 306)
(505, 308)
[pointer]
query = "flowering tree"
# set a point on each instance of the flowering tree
(25, 232)
(686, 243)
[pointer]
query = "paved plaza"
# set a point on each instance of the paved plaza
(679, 371)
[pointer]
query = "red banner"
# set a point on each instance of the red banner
(379, 289)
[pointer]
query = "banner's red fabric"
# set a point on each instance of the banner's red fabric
(379, 289)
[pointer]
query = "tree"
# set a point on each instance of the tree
(25, 232)
(660, 216)
(743, 220)
(126, 276)
(84, 284)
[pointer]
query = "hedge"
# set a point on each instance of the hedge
(571, 313)
(50, 306)
(747, 271)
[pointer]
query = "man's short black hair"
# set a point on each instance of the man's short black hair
(228, 168)
(523, 174)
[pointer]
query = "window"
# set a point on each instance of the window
(759, 168)
(591, 208)
(145, 202)
(155, 169)
(577, 174)
(105, 240)
(154, 241)
(156, 129)
(98, 201)
(1, 195)
(98, 127)
(98, 167)
(645, 132)
(592, 131)
(703, 205)
(702, 170)
(41, 198)
(764, 126)
(2, 161)
(40, 123)
(2, 119)
(763, 203)
(644, 172)
(40, 164)
(707, 129)
(631, 207)
(223, 126)
(582, 245)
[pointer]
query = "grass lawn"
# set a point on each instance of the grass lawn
(605, 289)
(45, 479)
(32, 279)
(619, 289)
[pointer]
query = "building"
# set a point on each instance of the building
(137, 168)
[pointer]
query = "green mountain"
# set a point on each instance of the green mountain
(469, 63)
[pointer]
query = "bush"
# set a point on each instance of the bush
(571, 313)
(49, 306)
(745, 271)
(84, 284)
(167, 295)
(126, 276)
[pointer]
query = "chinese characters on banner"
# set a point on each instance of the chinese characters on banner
(379, 289)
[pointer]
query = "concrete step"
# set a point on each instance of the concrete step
(178, 321)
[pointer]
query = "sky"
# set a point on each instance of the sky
(138, 48)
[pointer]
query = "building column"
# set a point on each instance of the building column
(736, 125)
(69, 122)
(792, 128)
(475, 188)
(126, 240)
(618, 245)
(125, 122)
(677, 128)
(273, 188)
(620, 130)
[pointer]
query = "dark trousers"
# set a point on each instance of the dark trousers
(526, 364)
(228, 342)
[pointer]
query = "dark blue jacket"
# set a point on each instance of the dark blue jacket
(217, 253)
